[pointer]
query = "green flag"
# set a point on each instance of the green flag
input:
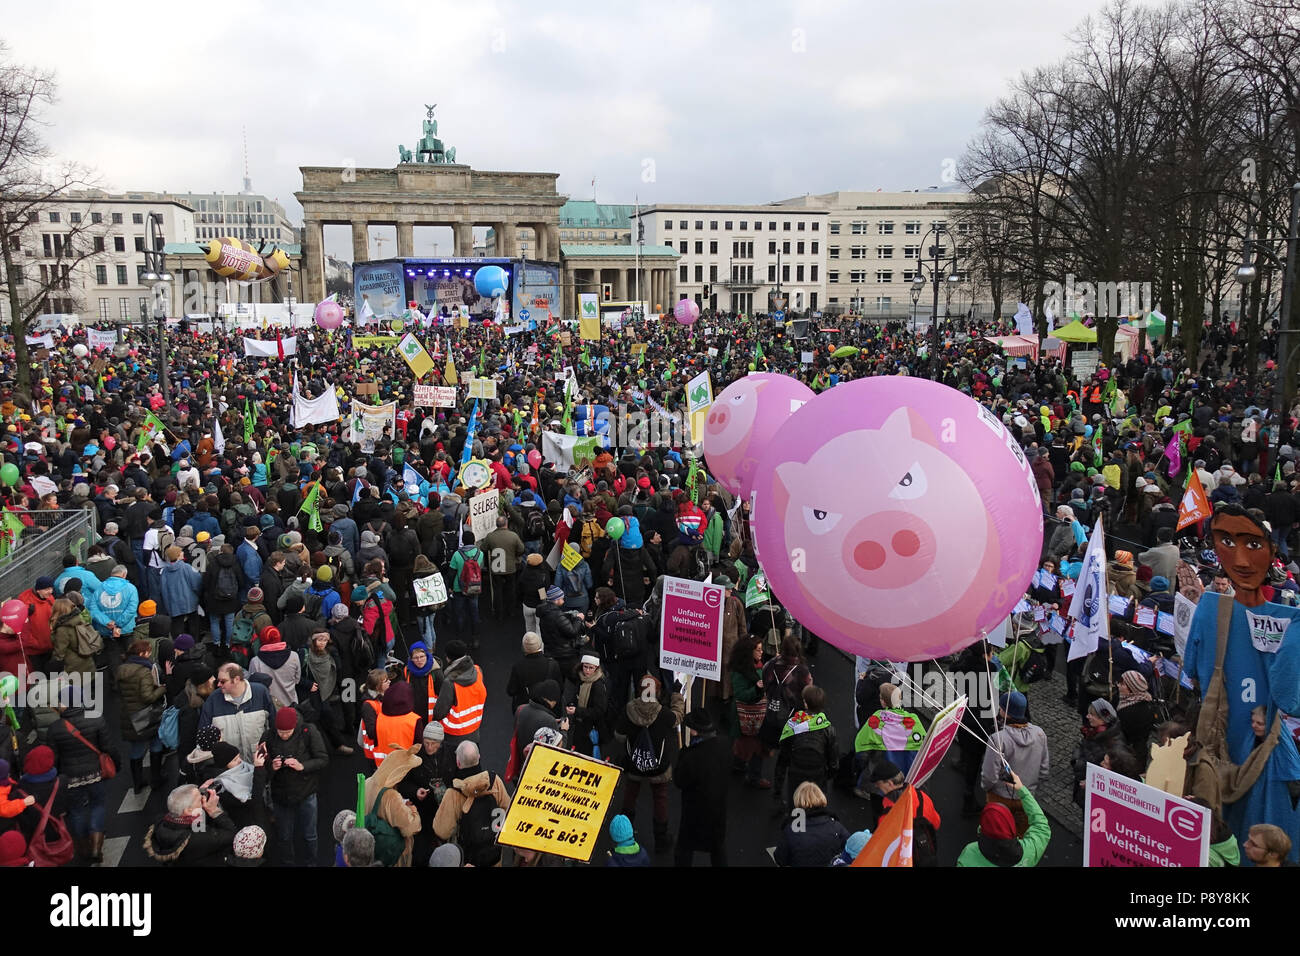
(152, 428)
(248, 422)
(568, 411)
(758, 351)
(1096, 446)
(10, 531)
(481, 350)
(312, 508)
(756, 591)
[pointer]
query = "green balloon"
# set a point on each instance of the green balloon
(9, 474)
(615, 528)
(753, 367)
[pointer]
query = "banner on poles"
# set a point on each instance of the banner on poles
(690, 632)
(483, 388)
(561, 803)
(98, 339)
(368, 422)
(256, 348)
(434, 396)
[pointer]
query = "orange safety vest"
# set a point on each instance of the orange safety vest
(391, 733)
(433, 697)
(466, 714)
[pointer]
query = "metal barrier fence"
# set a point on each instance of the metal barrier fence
(40, 553)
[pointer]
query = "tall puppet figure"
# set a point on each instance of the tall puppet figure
(1245, 652)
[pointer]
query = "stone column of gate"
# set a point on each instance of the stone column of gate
(360, 241)
(553, 241)
(507, 246)
(405, 240)
(620, 285)
(542, 240)
(464, 236)
(313, 261)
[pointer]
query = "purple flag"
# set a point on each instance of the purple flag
(1172, 453)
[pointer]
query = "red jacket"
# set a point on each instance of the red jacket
(36, 635)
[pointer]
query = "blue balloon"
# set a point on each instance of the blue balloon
(491, 281)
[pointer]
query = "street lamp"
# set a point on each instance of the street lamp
(938, 270)
(155, 271)
(1284, 327)
(918, 284)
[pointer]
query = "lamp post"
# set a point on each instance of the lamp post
(1285, 331)
(155, 271)
(917, 285)
(938, 270)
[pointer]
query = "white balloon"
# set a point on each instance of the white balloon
(79, 350)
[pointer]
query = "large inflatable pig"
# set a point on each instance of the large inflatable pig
(896, 518)
(741, 421)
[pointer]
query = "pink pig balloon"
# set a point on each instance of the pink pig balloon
(686, 311)
(329, 314)
(741, 422)
(896, 518)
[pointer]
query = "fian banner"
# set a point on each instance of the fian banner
(98, 339)
(561, 803)
(483, 513)
(1131, 824)
(690, 632)
(434, 396)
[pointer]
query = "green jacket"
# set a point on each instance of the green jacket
(744, 688)
(1034, 844)
(1013, 658)
(1227, 853)
(458, 561)
(713, 535)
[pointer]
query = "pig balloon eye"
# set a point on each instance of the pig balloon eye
(911, 485)
(819, 522)
(739, 399)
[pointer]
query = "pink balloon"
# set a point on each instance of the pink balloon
(896, 518)
(535, 458)
(686, 311)
(329, 314)
(742, 420)
(13, 614)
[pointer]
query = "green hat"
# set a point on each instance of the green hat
(1077, 466)
(1092, 472)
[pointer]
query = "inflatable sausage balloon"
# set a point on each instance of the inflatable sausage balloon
(896, 518)
(742, 420)
(235, 259)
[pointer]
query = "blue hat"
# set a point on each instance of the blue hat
(856, 841)
(1159, 583)
(553, 593)
(620, 831)
(1014, 704)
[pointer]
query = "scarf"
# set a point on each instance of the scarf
(323, 673)
(584, 692)
(1126, 699)
(238, 781)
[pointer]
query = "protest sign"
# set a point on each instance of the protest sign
(483, 388)
(430, 591)
(943, 731)
(1131, 824)
(483, 513)
(690, 632)
(561, 803)
(570, 557)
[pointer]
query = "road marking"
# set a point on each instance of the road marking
(114, 847)
(135, 802)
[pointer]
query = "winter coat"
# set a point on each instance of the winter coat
(116, 603)
(986, 851)
(63, 645)
(214, 605)
(563, 634)
(662, 723)
(462, 672)
(139, 687)
(285, 670)
(291, 787)
(531, 579)
(595, 716)
(733, 628)
(11, 652)
(242, 722)
(181, 586)
(77, 763)
(808, 749)
(811, 838)
(250, 566)
(530, 718)
(176, 843)
(1025, 749)
(702, 776)
(527, 673)
(36, 635)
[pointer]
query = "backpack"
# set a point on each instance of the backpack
(389, 844)
(312, 603)
(402, 548)
(626, 638)
(227, 584)
(242, 632)
(363, 651)
(89, 641)
(478, 832)
(591, 530)
(535, 525)
(471, 574)
(166, 538)
(1034, 667)
(641, 754)
(169, 729)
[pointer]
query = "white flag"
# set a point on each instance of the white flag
(218, 439)
(1090, 606)
(1024, 320)
(366, 314)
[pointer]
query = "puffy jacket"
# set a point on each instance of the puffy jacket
(242, 722)
(137, 683)
(36, 635)
(562, 633)
(661, 722)
(812, 838)
(1025, 748)
(986, 851)
(173, 843)
(63, 644)
(289, 786)
(180, 586)
(284, 668)
(74, 759)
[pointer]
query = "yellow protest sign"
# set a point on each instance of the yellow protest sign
(561, 804)
(570, 557)
(416, 356)
(589, 328)
(360, 341)
(638, 348)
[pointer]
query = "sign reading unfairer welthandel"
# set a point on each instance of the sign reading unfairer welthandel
(1132, 824)
(561, 803)
(690, 633)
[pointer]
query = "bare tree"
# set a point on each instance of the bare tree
(27, 188)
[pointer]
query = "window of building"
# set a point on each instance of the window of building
(121, 275)
(833, 300)
(785, 248)
(137, 219)
(124, 307)
(681, 224)
(833, 252)
(786, 225)
(908, 275)
(117, 219)
(785, 273)
(758, 225)
(96, 217)
(54, 217)
(835, 229)
(139, 275)
(813, 276)
(883, 302)
(713, 273)
(699, 247)
(884, 275)
(885, 228)
(713, 247)
(682, 274)
(99, 244)
(798, 273)
(45, 245)
(801, 226)
(681, 247)
(771, 273)
(962, 252)
(771, 248)
(699, 273)
(858, 252)
(103, 309)
(912, 228)
(727, 225)
(885, 252)
(816, 227)
(798, 248)
(74, 217)
(771, 227)
(911, 252)
(699, 225)
(144, 306)
(858, 275)
(832, 277)
(101, 276)
(119, 244)
(668, 225)
(713, 225)
(45, 274)
(139, 243)
(963, 228)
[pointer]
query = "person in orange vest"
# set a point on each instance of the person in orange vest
(391, 723)
(420, 674)
(461, 696)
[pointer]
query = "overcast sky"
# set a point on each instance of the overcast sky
(667, 101)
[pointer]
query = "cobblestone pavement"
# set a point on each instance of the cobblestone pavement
(1061, 722)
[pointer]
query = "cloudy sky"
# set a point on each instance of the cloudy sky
(669, 101)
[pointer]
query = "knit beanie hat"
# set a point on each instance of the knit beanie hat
(255, 595)
(185, 642)
(856, 841)
(344, 821)
(532, 642)
(222, 754)
(13, 849)
(4, 770)
(997, 822)
(207, 737)
(620, 831)
(449, 854)
(250, 843)
(39, 760)
(433, 730)
(1133, 682)
(286, 718)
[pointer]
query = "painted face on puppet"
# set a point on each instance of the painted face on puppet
(1245, 553)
